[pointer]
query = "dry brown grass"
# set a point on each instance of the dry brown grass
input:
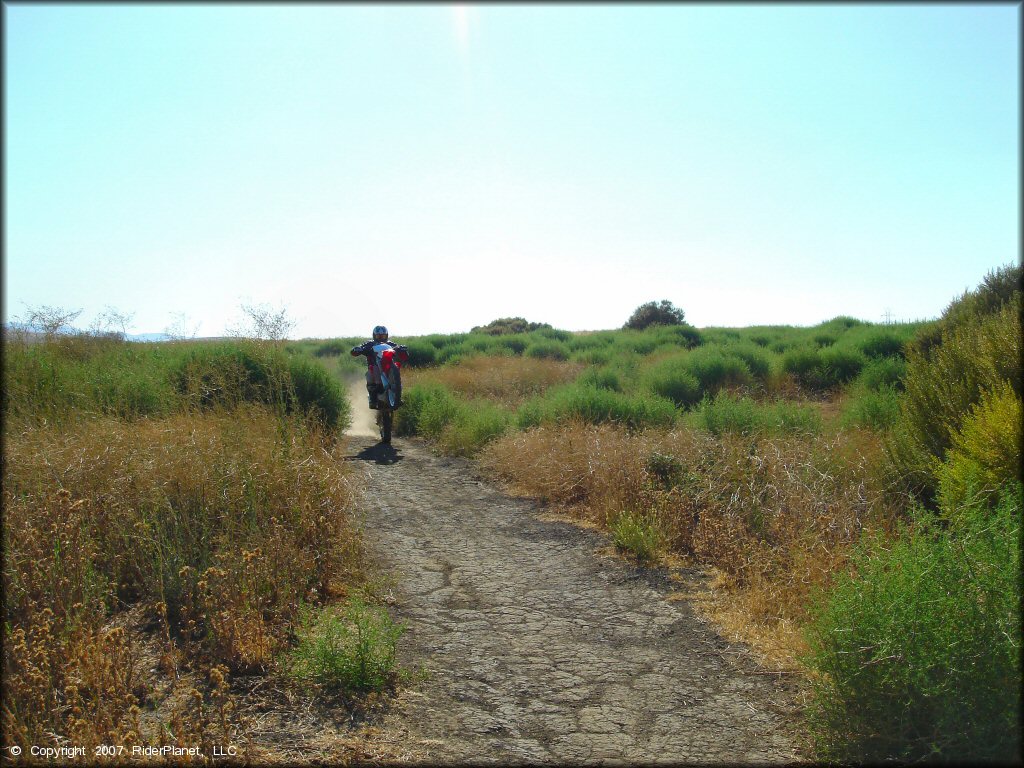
(775, 517)
(506, 380)
(218, 524)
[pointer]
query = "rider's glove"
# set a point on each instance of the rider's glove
(357, 349)
(401, 348)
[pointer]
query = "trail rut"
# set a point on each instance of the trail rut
(540, 649)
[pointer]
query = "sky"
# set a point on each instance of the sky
(435, 167)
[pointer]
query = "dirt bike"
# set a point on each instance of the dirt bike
(388, 378)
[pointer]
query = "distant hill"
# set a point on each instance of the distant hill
(147, 337)
(33, 335)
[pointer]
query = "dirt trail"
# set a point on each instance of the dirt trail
(538, 647)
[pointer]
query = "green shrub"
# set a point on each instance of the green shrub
(596, 406)
(841, 323)
(917, 653)
(450, 353)
(593, 356)
(684, 335)
(791, 418)
(426, 410)
(318, 395)
(422, 353)
(727, 413)
(641, 535)
(553, 334)
(756, 360)
(513, 344)
(985, 454)
(229, 373)
(473, 425)
(601, 378)
(802, 362)
(838, 366)
(353, 651)
(942, 385)
(715, 367)
(126, 389)
(51, 380)
(439, 340)
(664, 468)
(530, 414)
(671, 378)
(872, 408)
(550, 350)
(719, 336)
(481, 345)
(887, 371)
(999, 287)
(331, 348)
(882, 344)
(824, 339)
(824, 369)
(438, 413)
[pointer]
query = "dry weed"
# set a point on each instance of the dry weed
(223, 522)
(775, 516)
(506, 380)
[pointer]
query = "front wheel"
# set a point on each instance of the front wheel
(385, 426)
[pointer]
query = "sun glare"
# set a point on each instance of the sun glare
(460, 15)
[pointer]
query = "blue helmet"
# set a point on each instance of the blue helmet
(380, 333)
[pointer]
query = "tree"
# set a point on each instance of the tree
(50, 320)
(111, 323)
(655, 314)
(181, 329)
(264, 323)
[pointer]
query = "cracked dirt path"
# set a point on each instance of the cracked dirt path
(538, 648)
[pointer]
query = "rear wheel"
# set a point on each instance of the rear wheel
(385, 426)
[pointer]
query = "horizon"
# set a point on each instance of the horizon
(433, 168)
(19, 326)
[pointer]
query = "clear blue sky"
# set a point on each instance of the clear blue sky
(434, 167)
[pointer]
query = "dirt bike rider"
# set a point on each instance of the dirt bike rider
(380, 336)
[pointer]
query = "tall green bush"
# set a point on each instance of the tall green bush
(426, 410)
(917, 652)
(757, 360)
(823, 369)
(882, 344)
(885, 372)
(550, 350)
(985, 453)
(727, 413)
(318, 395)
(877, 408)
(998, 288)
(472, 425)
(975, 357)
(591, 405)
(717, 367)
(671, 378)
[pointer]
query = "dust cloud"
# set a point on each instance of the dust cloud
(364, 421)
